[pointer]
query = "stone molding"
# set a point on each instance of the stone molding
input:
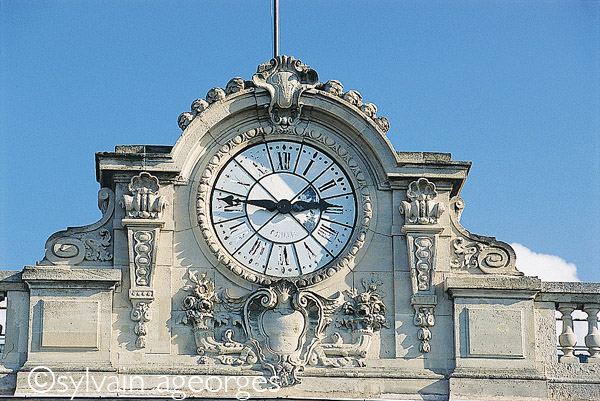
(315, 138)
(280, 328)
(61, 277)
(475, 252)
(92, 243)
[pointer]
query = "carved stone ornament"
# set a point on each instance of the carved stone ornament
(471, 251)
(280, 328)
(422, 254)
(424, 319)
(92, 243)
(333, 148)
(285, 78)
(142, 211)
(422, 209)
(141, 313)
(145, 202)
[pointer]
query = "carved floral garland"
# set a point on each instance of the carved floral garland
(240, 141)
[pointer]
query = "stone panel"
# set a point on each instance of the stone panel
(495, 332)
(62, 328)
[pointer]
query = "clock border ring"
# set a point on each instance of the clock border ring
(344, 261)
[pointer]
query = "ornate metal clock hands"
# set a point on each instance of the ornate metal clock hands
(282, 206)
(267, 204)
(301, 206)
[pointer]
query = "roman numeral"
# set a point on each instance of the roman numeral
(311, 254)
(284, 160)
(327, 185)
(310, 163)
(327, 232)
(334, 209)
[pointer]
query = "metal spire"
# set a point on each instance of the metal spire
(275, 28)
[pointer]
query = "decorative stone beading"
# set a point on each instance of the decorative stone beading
(91, 243)
(281, 327)
(239, 142)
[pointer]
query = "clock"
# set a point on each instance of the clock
(282, 208)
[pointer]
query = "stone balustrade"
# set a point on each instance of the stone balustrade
(568, 298)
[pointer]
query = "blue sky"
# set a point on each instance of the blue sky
(512, 86)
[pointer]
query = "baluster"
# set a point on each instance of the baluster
(592, 340)
(567, 338)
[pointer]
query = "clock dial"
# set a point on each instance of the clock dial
(283, 208)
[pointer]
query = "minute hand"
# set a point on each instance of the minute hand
(301, 206)
(264, 203)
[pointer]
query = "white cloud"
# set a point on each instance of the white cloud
(546, 267)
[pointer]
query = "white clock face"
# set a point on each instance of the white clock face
(283, 208)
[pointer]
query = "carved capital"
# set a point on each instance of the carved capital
(285, 78)
(145, 202)
(421, 208)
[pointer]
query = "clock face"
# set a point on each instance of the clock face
(283, 208)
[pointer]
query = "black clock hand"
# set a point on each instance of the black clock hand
(301, 206)
(266, 204)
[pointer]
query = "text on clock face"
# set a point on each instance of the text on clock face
(283, 208)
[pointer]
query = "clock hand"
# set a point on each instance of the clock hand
(266, 204)
(301, 206)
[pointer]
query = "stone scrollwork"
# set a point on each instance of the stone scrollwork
(281, 328)
(145, 202)
(472, 252)
(92, 243)
(422, 209)
(241, 140)
(285, 78)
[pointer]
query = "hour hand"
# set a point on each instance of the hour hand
(264, 203)
(301, 206)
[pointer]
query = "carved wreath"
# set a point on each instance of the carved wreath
(240, 141)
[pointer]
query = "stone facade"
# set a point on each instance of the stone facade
(411, 305)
